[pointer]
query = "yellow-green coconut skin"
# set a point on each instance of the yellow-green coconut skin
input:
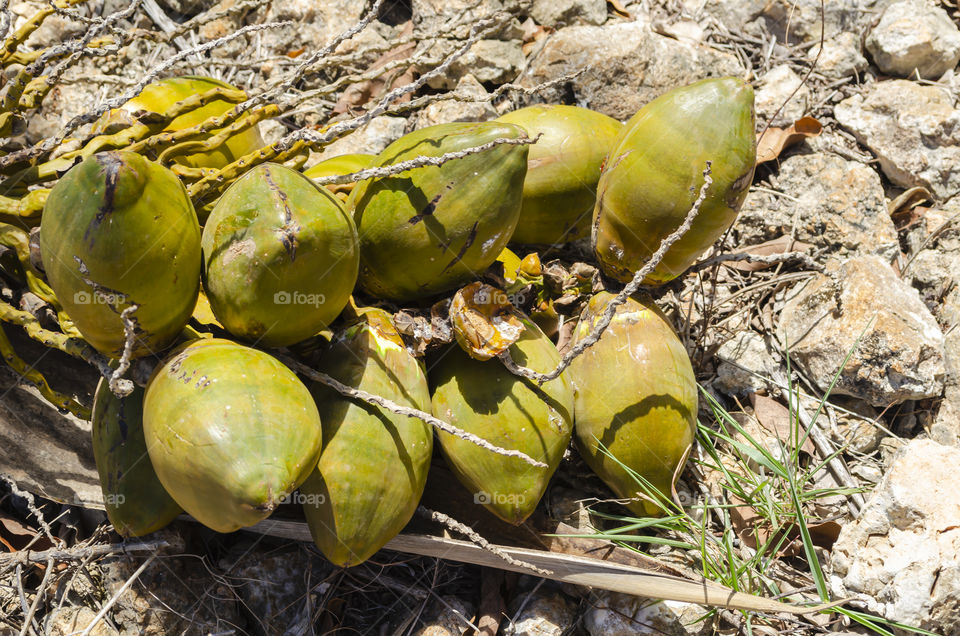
(135, 500)
(373, 466)
(485, 399)
(654, 174)
(160, 96)
(636, 394)
(430, 229)
(563, 168)
(230, 430)
(280, 257)
(120, 230)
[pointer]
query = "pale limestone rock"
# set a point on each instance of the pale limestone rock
(900, 352)
(835, 204)
(914, 36)
(781, 89)
(914, 130)
(626, 65)
(901, 556)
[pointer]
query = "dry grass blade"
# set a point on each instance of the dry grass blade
(567, 568)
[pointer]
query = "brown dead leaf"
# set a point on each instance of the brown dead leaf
(775, 418)
(773, 141)
(618, 9)
(15, 535)
(484, 320)
(905, 210)
(779, 245)
(533, 33)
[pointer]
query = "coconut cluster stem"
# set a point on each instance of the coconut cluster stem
(628, 290)
(393, 407)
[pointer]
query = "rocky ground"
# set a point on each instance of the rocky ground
(856, 342)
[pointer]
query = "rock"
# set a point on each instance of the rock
(946, 426)
(859, 435)
(556, 13)
(835, 204)
(626, 63)
(496, 61)
(451, 618)
(370, 139)
(743, 358)
(544, 615)
(187, 8)
(272, 131)
(777, 90)
(56, 29)
(448, 111)
(900, 354)
(840, 57)
(914, 36)
(914, 130)
(615, 614)
(66, 621)
(429, 15)
(789, 20)
(317, 23)
(901, 556)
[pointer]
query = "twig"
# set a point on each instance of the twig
(835, 464)
(36, 598)
(119, 388)
(419, 162)
(611, 309)
(32, 507)
(782, 257)
(103, 610)
(393, 407)
(23, 596)
(82, 552)
(452, 524)
(50, 143)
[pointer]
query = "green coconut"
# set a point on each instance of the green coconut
(563, 168)
(136, 501)
(430, 229)
(230, 430)
(117, 231)
(340, 165)
(483, 398)
(636, 397)
(655, 172)
(159, 96)
(374, 463)
(280, 257)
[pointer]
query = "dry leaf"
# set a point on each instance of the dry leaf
(484, 320)
(618, 9)
(773, 141)
(775, 418)
(779, 245)
(905, 210)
